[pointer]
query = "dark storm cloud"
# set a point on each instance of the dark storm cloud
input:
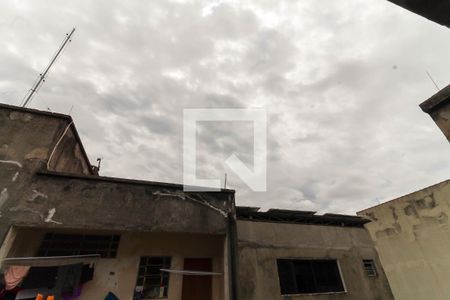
(340, 83)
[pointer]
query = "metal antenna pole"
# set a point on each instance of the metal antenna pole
(41, 78)
(432, 80)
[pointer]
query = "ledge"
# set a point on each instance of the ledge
(125, 180)
(440, 98)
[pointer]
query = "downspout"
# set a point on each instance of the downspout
(232, 255)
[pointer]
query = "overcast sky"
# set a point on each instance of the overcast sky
(341, 81)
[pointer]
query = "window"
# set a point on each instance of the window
(309, 276)
(78, 244)
(151, 282)
(369, 267)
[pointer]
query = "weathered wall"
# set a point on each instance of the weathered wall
(412, 236)
(32, 142)
(69, 201)
(261, 243)
(28, 137)
(119, 274)
(69, 155)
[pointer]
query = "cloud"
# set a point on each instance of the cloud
(340, 82)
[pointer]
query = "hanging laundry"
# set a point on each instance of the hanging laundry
(87, 273)
(14, 275)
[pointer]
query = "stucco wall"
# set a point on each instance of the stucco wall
(261, 243)
(412, 236)
(119, 274)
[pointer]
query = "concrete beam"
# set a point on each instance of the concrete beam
(435, 10)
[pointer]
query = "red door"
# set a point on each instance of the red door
(197, 287)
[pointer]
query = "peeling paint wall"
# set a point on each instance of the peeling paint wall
(412, 236)
(119, 274)
(261, 243)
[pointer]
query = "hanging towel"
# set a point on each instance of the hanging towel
(14, 275)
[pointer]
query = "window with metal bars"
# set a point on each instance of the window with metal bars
(369, 267)
(57, 244)
(305, 276)
(151, 282)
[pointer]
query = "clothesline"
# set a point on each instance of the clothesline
(50, 260)
(191, 272)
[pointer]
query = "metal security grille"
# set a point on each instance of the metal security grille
(152, 282)
(309, 276)
(369, 267)
(56, 244)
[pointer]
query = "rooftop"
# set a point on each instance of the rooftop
(248, 213)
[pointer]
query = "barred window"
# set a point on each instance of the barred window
(152, 283)
(369, 267)
(299, 276)
(56, 244)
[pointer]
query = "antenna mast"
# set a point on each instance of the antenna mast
(41, 78)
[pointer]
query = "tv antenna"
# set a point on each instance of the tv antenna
(41, 78)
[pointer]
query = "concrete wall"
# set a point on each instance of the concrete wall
(119, 274)
(46, 182)
(32, 194)
(28, 137)
(261, 243)
(412, 236)
(92, 202)
(27, 140)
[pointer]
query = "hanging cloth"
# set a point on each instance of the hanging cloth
(14, 275)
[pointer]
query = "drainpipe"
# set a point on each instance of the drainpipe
(232, 255)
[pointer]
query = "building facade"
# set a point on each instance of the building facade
(78, 234)
(412, 236)
(299, 255)
(412, 233)
(53, 204)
